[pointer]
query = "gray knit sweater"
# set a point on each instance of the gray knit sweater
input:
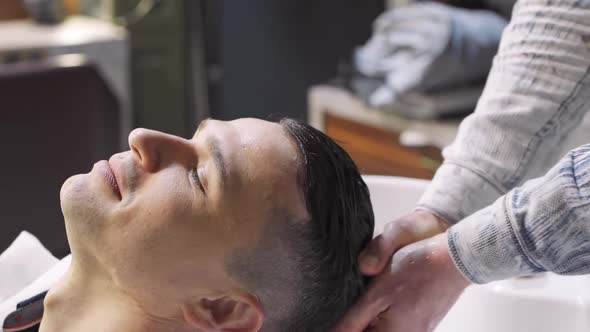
(537, 93)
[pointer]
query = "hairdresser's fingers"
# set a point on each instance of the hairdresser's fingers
(384, 324)
(364, 314)
(410, 228)
(376, 256)
(396, 234)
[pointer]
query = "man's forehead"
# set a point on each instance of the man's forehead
(278, 177)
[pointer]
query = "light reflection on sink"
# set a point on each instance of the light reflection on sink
(550, 303)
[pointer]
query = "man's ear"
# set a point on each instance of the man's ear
(235, 313)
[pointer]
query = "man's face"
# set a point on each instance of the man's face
(176, 208)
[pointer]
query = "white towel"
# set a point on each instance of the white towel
(23, 262)
(44, 282)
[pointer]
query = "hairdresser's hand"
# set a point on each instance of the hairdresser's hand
(413, 295)
(408, 229)
(413, 227)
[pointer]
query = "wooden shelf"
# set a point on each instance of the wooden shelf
(377, 151)
(372, 137)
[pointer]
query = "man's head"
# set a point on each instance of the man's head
(249, 223)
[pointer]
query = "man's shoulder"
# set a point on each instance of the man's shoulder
(27, 315)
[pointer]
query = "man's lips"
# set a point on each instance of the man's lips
(107, 172)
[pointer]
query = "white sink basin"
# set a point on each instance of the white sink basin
(546, 303)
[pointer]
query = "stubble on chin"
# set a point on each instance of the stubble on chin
(81, 208)
(79, 198)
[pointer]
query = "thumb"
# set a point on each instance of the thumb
(375, 256)
(398, 233)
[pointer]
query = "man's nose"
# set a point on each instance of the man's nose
(153, 149)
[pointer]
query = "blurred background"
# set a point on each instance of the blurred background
(389, 80)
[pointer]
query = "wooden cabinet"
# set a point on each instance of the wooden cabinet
(378, 151)
(12, 9)
(373, 138)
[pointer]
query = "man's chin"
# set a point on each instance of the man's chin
(71, 193)
(81, 200)
(83, 212)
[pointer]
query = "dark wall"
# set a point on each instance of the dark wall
(271, 51)
(56, 122)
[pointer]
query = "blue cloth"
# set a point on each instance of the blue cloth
(427, 46)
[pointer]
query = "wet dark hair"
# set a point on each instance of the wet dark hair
(306, 273)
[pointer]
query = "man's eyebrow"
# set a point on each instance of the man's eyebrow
(214, 146)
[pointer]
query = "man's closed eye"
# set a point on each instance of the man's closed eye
(196, 177)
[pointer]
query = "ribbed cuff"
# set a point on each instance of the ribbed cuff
(456, 192)
(485, 247)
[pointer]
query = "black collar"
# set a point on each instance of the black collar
(27, 316)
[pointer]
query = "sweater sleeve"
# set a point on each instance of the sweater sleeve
(537, 92)
(543, 225)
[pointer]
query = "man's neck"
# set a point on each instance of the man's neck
(92, 304)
